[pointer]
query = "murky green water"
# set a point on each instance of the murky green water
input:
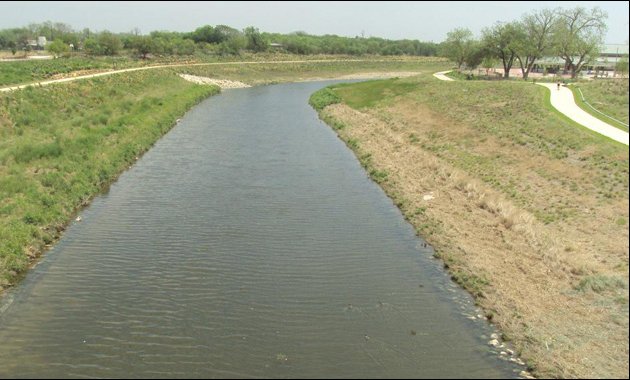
(247, 243)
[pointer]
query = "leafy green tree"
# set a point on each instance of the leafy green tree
(109, 43)
(91, 47)
(223, 33)
(578, 35)
(58, 47)
(255, 40)
(203, 34)
(457, 46)
(185, 47)
(501, 41)
(534, 38)
(143, 45)
(474, 55)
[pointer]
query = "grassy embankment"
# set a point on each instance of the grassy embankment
(21, 72)
(61, 145)
(268, 73)
(609, 96)
(529, 210)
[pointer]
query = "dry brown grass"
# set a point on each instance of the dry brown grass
(525, 272)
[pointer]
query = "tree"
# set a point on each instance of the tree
(185, 47)
(255, 41)
(203, 34)
(489, 63)
(143, 45)
(621, 66)
(91, 47)
(58, 47)
(232, 45)
(578, 35)
(12, 45)
(223, 33)
(535, 38)
(475, 55)
(501, 41)
(457, 45)
(109, 43)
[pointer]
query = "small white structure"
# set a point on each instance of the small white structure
(41, 42)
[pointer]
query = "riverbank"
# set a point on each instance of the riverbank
(61, 145)
(527, 213)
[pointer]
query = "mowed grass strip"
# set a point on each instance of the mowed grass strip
(60, 145)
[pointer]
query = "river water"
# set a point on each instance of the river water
(248, 242)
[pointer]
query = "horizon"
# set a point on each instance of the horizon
(427, 22)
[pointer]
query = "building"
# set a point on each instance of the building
(38, 44)
(609, 55)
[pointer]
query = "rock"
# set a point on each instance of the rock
(428, 197)
(494, 336)
(503, 353)
(493, 343)
(526, 375)
(511, 352)
(78, 219)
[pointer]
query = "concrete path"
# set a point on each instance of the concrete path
(563, 101)
(441, 76)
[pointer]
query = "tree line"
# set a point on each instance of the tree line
(574, 35)
(208, 39)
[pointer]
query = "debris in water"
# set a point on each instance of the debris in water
(78, 219)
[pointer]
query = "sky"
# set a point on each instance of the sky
(425, 21)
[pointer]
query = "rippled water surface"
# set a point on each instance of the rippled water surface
(247, 243)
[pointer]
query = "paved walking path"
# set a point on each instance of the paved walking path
(562, 100)
(441, 76)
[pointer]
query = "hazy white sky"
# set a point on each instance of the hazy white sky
(427, 21)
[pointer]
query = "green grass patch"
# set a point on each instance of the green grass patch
(600, 284)
(368, 94)
(60, 145)
(36, 70)
(324, 97)
(607, 97)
